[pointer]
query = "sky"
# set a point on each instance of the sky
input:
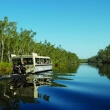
(79, 26)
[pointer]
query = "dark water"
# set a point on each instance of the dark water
(86, 89)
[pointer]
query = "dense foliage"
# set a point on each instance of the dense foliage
(103, 56)
(5, 68)
(23, 42)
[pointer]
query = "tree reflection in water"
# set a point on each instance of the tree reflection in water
(67, 69)
(103, 69)
(64, 71)
(23, 88)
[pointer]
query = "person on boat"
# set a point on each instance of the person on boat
(15, 69)
(23, 69)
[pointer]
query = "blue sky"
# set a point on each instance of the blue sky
(79, 26)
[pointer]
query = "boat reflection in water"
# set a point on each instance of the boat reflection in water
(23, 86)
(38, 80)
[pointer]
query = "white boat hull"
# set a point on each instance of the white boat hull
(40, 68)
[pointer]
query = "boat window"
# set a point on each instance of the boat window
(27, 61)
(37, 60)
(42, 61)
(48, 61)
(45, 61)
(17, 61)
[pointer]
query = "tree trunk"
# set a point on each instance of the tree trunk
(9, 59)
(2, 52)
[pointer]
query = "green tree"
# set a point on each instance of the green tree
(103, 56)
(3, 32)
(23, 42)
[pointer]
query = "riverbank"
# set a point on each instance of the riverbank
(5, 68)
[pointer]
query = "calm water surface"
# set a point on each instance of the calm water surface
(86, 89)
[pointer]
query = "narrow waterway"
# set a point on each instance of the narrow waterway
(86, 89)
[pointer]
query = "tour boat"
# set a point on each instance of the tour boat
(31, 63)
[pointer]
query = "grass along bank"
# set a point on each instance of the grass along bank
(5, 68)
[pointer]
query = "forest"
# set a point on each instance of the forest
(24, 42)
(103, 56)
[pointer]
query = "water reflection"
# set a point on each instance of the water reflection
(103, 69)
(85, 90)
(23, 88)
(67, 69)
(70, 70)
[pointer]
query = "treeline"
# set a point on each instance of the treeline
(23, 42)
(103, 56)
(83, 60)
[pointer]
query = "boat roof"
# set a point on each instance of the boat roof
(29, 56)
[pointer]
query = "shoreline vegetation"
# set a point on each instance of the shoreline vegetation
(5, 68)
(23, 42)
(103, 56)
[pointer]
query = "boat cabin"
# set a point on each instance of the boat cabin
(31, 63)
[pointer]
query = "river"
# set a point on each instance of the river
(87, 88)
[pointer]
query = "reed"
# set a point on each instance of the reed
(5, 68)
